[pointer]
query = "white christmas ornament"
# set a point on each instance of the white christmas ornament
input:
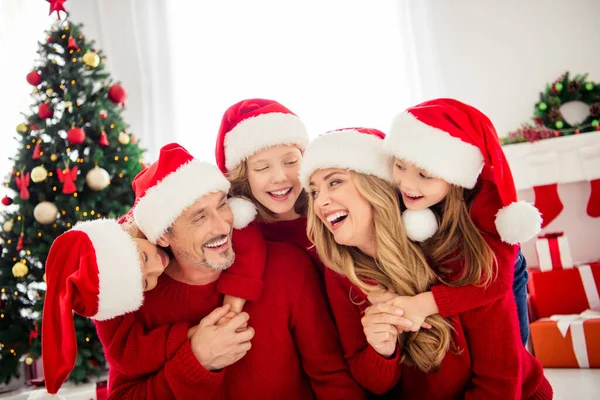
(45, 213)
(97, 179)
(39, 174)
(8, 226)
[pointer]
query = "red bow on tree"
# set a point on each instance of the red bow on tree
(67, 177)
(57, 5)
(23, 185)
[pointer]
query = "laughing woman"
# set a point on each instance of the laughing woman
(357, 229)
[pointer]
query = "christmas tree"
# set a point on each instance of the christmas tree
(75, 162)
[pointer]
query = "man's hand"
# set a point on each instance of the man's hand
(215, 346)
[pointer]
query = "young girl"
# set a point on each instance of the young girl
(98, 271)
(357, 230)
(449, 166)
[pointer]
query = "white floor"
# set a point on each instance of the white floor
(574, 384)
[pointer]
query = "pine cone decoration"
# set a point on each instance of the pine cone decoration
(574, 86)
(554, 114)
(595, 110)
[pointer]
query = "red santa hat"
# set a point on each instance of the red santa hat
(255, 124)
(459, 144)
(356, 149)
(93, 270)
(169, 186)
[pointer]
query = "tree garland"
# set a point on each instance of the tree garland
(548, 120)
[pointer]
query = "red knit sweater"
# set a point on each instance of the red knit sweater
(289, 358)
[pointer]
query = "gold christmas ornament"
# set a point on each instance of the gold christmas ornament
(49, 91)
(68, 104)
(124, 138)
(39, 174)
(97, 179)
(53, 157)
(19, 270)
(28, 360)
(22, 128)
(8, 226)
(91, 59)
(45, 213)
(36, 90)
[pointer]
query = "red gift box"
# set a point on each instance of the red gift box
(566, 291)
(553, 251)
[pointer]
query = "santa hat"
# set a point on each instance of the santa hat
(459, 144)
(255, 124)
(94, 270)
(168, 187)
(356, 149)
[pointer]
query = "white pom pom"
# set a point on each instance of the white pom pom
(420, 225)
(244, 212)
(518, 222)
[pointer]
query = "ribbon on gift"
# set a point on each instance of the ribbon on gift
(589, 286)
(575, 323)
(553, 251)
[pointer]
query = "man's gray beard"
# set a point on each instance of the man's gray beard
(222, 266)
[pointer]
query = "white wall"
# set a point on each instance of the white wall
(498, 56)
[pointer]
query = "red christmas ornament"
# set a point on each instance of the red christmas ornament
(133, 139)
(76, 135)
(49, 39)
(7, 201)
(23, 182)
(577, 131)
(67, 177)
(45, 111)
(117, 94)
(103, 114)
(104, 139)
(72, 44)
(21, 242)
(33, 127)
(598, 127)
(34, 334)
(36, 152)
(56, 5)
(34, 78)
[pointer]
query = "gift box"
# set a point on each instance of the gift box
(567, 341)
(566, 291)
(553, 252)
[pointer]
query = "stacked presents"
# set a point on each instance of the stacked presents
(564, 307)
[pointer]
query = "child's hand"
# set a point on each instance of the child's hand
(228, 317)
(236, 303)
(416, 309)
(380, 295)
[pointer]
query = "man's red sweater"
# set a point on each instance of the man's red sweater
(295, 352)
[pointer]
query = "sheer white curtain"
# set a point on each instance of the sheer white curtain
(22, 25)
(336, 63)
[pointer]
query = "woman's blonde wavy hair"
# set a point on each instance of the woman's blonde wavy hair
(240, 187)
(399, 265)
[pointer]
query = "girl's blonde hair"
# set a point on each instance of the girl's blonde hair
(458, 238)
(240, 187)
(399, 264)
(131, 228)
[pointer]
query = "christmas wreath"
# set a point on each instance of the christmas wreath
(548, 119)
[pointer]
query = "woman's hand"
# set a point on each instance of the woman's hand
(379, 324)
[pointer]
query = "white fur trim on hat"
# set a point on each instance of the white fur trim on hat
(347, 149)
(119, 271)
(590, 159)
(542, 169)
(518, 222)
(419, 225)
(163, 204)
(434, 150)
(260, 132)
(244, 212)
(44, 395)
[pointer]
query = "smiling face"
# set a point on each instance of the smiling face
(273, 179)
(419, 189)
(153, 261)
(201, 236)
(342, 209)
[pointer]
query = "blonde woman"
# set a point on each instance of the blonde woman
(356, 226)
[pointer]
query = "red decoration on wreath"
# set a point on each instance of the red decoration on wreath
(34, 78)
(76, 135)
(37, 152)
(23, 182)
(7, 201)
(72, 44)
(56, 5)
(117, 94)
(45, 111)
(67, 177)
(104, 139)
